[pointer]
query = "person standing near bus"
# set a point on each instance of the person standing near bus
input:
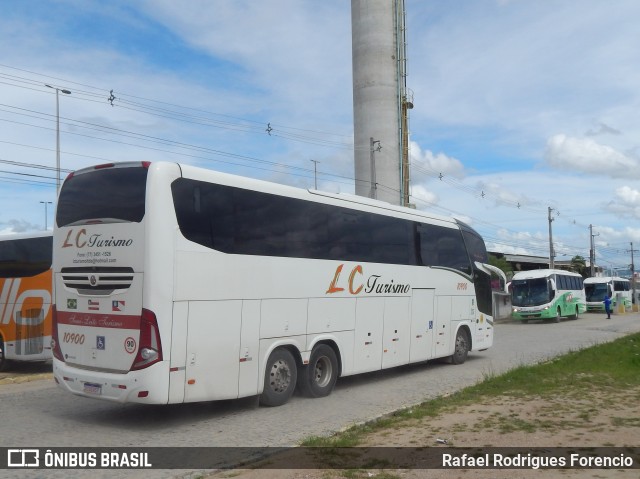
(607, 305)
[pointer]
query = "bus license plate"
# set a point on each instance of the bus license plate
(91, 388)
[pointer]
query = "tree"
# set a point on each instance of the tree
(579, 265)
(501, 263)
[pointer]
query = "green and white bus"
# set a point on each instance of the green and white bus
(618, 289)
(547, 294)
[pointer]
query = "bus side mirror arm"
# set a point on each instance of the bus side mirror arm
(488, 269)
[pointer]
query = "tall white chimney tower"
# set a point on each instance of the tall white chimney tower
(379, 100)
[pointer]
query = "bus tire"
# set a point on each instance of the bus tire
(577, 315)
(319, 377)
(4, 362)
(280, 378)
(462, 346)
(558, 315)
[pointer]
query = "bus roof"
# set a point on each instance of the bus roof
(541, 273)
(604, 279)
(18, 236)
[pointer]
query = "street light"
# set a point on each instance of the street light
(45, 203)
(66, 92)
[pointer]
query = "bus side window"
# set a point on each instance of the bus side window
(443, 247)
(197, 206)
(25, 257)
(562, 282)
(347, 234)
(428, 248)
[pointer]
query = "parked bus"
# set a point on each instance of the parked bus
(547, 294)
(618, 289)
(25, 298)
(178, 284)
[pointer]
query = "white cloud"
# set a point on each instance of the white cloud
(19, 226)
(587, 156)
(421, 193)
(435, 162)
(521, 242)
(626, 203)
(629, 195)
(296, 54)
(521, 72)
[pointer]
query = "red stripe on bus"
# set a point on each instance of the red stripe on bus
(123, 321)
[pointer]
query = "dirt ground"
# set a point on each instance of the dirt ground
(595, 420)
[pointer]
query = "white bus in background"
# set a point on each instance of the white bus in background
(547, 294)
(618, 289)
(178, 284)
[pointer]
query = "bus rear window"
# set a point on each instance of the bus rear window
(113, 195)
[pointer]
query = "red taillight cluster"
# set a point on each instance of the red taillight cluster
(55, 344)
(150, 349)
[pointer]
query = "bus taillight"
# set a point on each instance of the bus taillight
(150, 350)
(55, 344)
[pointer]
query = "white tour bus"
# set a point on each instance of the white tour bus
(616, 288)
(547, 294)
(177, 284)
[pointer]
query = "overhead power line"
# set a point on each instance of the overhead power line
(25, 79)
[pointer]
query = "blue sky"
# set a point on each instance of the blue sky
(519, 105)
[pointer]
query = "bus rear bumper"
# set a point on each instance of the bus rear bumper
(148, 386)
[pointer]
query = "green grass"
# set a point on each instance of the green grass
(611, 367)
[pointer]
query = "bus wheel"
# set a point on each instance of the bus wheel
(4, 362)
(459, 355)
(279, 378)
(577, 313)
(558, 315)
(319, 377)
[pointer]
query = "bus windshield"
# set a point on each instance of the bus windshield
(110, 195)
(596, 291)
(530, 292)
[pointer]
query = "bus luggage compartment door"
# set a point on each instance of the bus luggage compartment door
(422, 324)
(213, 350)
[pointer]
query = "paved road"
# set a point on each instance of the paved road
(39, 414)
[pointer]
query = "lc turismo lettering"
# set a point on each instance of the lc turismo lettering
(373, 285)
(81, 240)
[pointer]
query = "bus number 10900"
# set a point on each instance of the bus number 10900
(73, 338)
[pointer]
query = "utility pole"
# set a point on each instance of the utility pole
(592, 251)
(374, 183)
(633, 275)
(66, 92)
(45, 203)
(315, 173)
(551, 252)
